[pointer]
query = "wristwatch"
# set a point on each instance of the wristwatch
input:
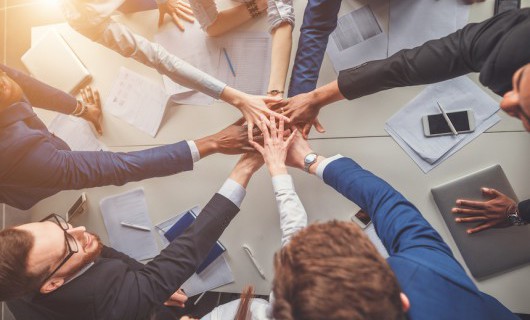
(309, 160)
(515, 219)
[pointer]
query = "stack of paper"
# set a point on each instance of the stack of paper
(138, 101)
(76, 132)
(129, 207)
(218, 273)
(456, 94)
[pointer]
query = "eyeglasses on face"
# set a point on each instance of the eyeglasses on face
(71, 243)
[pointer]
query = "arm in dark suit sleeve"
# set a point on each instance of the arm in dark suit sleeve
(524, 210)
(41, 95)
(110, 253)
(168, 271)
(398, 223)
(457, 54)
(47, 167)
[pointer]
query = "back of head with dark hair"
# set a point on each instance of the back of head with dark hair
(333, 271)
(15, 280)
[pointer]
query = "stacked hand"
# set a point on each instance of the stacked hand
(92, 101)
(302, 112)
(492, 213)
(176, 9)
(275, 148)
(254, 107)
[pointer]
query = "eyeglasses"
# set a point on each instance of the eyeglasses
(71, 243)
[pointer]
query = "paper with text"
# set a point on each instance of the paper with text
(129, 207)
(76, 132)
(137, 100)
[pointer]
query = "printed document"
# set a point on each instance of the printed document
(76, 132)
(137, 100)
(358, 38)
(129, 207)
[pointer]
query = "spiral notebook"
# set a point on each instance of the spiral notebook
(52, 61)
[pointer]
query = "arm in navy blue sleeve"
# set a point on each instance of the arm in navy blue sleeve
(320, 19)
(41, 95)
(524, 210)
(398, 223)
(45, 166)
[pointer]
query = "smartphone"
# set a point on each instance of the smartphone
(435, 124)
(362, 219)
(78, 208)
(505, 5)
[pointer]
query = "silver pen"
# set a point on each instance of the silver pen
(446, 117)
(135, 226)
(253, 259)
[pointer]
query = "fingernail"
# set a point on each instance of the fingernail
(457, 220)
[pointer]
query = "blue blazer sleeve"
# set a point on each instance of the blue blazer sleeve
(398, 223)
(46, 167)
(41, 95)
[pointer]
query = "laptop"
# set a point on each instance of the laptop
(52, 61)
(490, 251)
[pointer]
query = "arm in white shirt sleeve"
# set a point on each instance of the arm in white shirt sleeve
(233, 191)
(322, 165)
(292, 213)
(279, 11)
(93, 20)
(195, 155)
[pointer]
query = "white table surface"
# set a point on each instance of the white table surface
(354, 129)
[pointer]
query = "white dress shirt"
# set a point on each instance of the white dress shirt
(92, 18)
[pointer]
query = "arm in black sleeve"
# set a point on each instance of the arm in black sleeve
(462, 52)
(41, 95)
(161, 277)
(524, 210)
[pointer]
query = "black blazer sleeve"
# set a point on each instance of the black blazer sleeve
(110, 253)
(144, 289)
(476, 47)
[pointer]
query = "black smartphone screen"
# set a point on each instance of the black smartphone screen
(363, 217)
(438, 125)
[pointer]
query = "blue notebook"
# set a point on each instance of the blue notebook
(181, 225)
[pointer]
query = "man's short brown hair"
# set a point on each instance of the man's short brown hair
(333, 271)
(15, 279)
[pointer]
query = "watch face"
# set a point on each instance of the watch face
(310, 158)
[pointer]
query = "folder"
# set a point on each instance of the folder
(181, 225)
(52, 61)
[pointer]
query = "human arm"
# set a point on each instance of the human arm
(274, 151)
(110, 253)
(397, 222)
(175, 264)
(491, 213)
(320, 19)
(464, 51)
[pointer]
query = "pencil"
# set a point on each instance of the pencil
(229, 62)
(446, 117)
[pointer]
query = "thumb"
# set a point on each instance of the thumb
(97, 125)
(239, 122)
(267, 99)
(319, 126)
(161, 15)
(492, 193)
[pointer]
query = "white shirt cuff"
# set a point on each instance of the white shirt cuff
(195, 155)
(322, 165)
(282, 182)
(233, 191)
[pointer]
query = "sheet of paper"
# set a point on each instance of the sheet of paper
(217, 274)
(372, 235)
(250, 55)
(129, 207)
(76, 132)
(456, 94)
(199, 50)
(138, 101)
(412, 22)
(358, 38)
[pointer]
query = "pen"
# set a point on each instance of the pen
(254, 262)
(229, 62)
(135, 226)
(449, 123)
(199, 298)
